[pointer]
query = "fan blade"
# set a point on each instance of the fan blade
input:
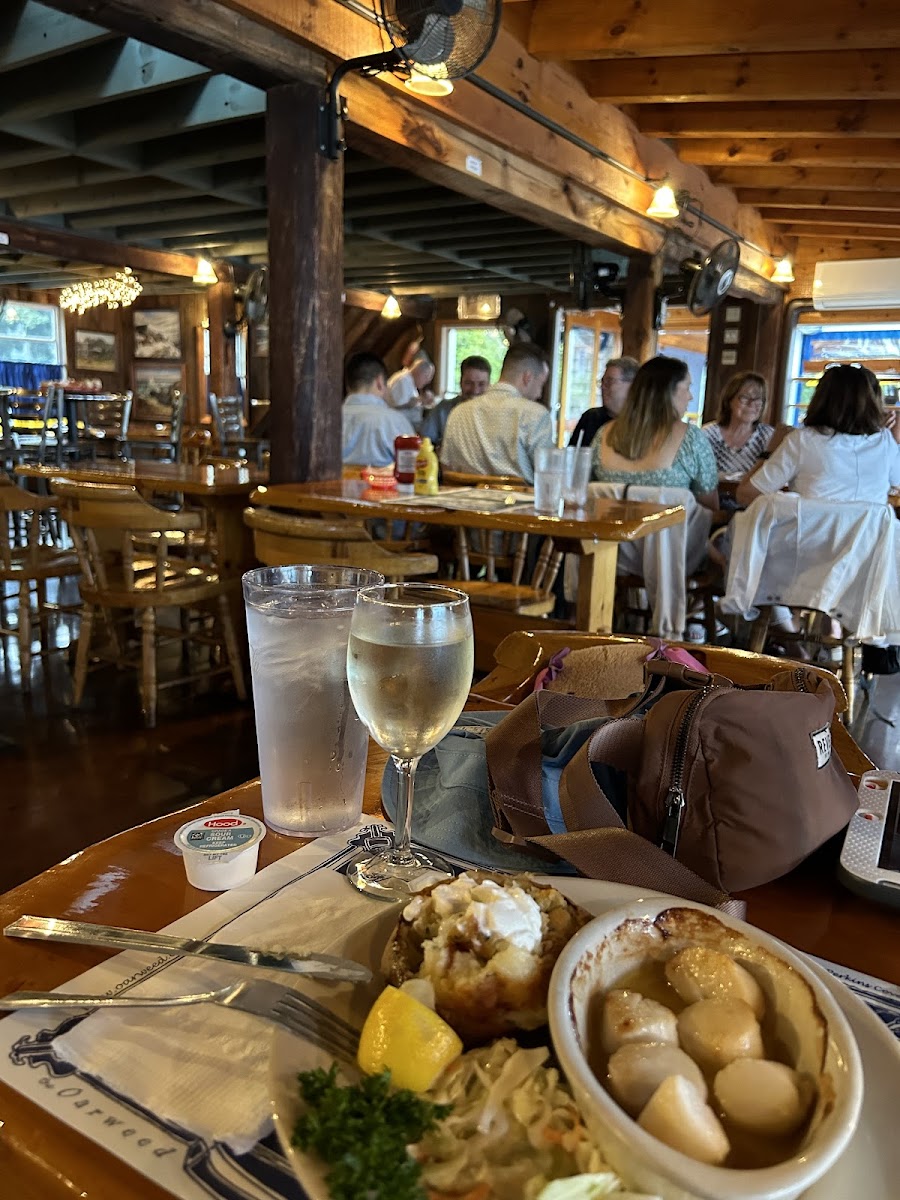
(434, 44)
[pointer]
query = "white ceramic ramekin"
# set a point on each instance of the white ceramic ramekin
(809, 1022)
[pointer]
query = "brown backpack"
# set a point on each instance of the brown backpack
(728, 787)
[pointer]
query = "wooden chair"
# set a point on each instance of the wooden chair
(230, 423)
(500, 549)
(519, 657)
(280, 539)
(101, 426)
(26, 562)
(158, 427)
(107, 522)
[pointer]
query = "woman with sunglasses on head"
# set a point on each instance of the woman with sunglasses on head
(845, 449)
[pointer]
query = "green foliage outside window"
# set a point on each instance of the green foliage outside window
(465, 340)
(28, 333)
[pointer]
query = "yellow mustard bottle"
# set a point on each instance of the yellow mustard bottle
(426, 470)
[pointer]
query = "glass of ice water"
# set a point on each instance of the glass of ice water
(312, 745)
(409, 665)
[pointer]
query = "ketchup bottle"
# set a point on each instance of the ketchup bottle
(406, 450)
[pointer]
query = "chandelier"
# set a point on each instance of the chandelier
(118, 291)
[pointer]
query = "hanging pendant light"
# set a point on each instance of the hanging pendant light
(784, 271)
(391, 308)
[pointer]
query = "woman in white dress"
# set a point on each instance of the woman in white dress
(843, 450)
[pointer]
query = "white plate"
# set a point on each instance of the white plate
(869, 1169)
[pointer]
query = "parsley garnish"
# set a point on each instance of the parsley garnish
(362, 1132)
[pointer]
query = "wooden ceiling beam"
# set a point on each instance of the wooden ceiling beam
(31, 33)
(103, 74)
(73, 247)
(582, 29)
(823, 248)
(868, 234)
(800, 198)
(787, 176)
(95, 198)
(863, 221)
(140, 215)
(773, 119)
(556, 184)
(800, 152)
(197, 226)
(816, 75)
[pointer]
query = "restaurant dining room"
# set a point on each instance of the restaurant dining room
(450, 628)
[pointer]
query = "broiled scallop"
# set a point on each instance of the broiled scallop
(700, 973)
(715, 1032)
(678, 1115)
(762, 1096)
(638, 1068)
(630, 1017)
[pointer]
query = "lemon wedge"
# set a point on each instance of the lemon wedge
(405, 1037)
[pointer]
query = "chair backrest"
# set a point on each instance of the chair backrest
(107, 416)
(18, 516)
(281, 539)
(228, 417)
(464, 479)
(664, 559)
(121, 512)
(840, 557)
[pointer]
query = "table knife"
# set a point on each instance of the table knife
(318, 966)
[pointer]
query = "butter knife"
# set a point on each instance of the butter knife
(318, 966)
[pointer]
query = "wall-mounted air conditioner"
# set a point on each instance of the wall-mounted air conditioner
(861, 283)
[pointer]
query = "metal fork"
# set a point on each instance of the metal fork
(293, 1011)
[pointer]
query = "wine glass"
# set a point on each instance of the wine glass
(409, 666)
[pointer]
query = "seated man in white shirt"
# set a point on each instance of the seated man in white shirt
(407, 389)
(499, 432)
(369, 424)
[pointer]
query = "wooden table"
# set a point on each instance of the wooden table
(223, 490)
(593, 532)
(135, 879)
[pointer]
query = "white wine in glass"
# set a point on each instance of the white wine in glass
(409, 666)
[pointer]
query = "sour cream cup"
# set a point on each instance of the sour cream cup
(220, 851)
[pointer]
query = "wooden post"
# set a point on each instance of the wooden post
(306, 249)
(743, 336)
(221, 311)
(639, 338)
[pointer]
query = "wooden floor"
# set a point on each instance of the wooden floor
(70, 777)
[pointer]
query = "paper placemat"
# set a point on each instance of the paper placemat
(284, 899)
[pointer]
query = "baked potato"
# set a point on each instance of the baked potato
(487, 943)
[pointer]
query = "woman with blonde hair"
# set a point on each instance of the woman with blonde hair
(739, 437)
(650, 443)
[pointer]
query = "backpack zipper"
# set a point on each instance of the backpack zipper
(675, 801)
(800, 679)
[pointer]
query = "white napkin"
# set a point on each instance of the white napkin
(204, 1067)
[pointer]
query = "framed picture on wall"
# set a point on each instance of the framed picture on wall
(153, 386)
(95, 351)
(157, 333)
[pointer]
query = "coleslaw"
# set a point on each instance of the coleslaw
(514, 1133)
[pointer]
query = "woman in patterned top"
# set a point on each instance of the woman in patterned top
(650, 443)
(738, 438)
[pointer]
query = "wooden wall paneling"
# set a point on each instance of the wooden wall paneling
(306, 248)
(743, 336)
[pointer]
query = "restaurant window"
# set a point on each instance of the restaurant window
(32, 344)
(459, 341)
(687, 337)
(816, 344)
(590, 340)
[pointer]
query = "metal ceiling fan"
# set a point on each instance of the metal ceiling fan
(441, 39)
